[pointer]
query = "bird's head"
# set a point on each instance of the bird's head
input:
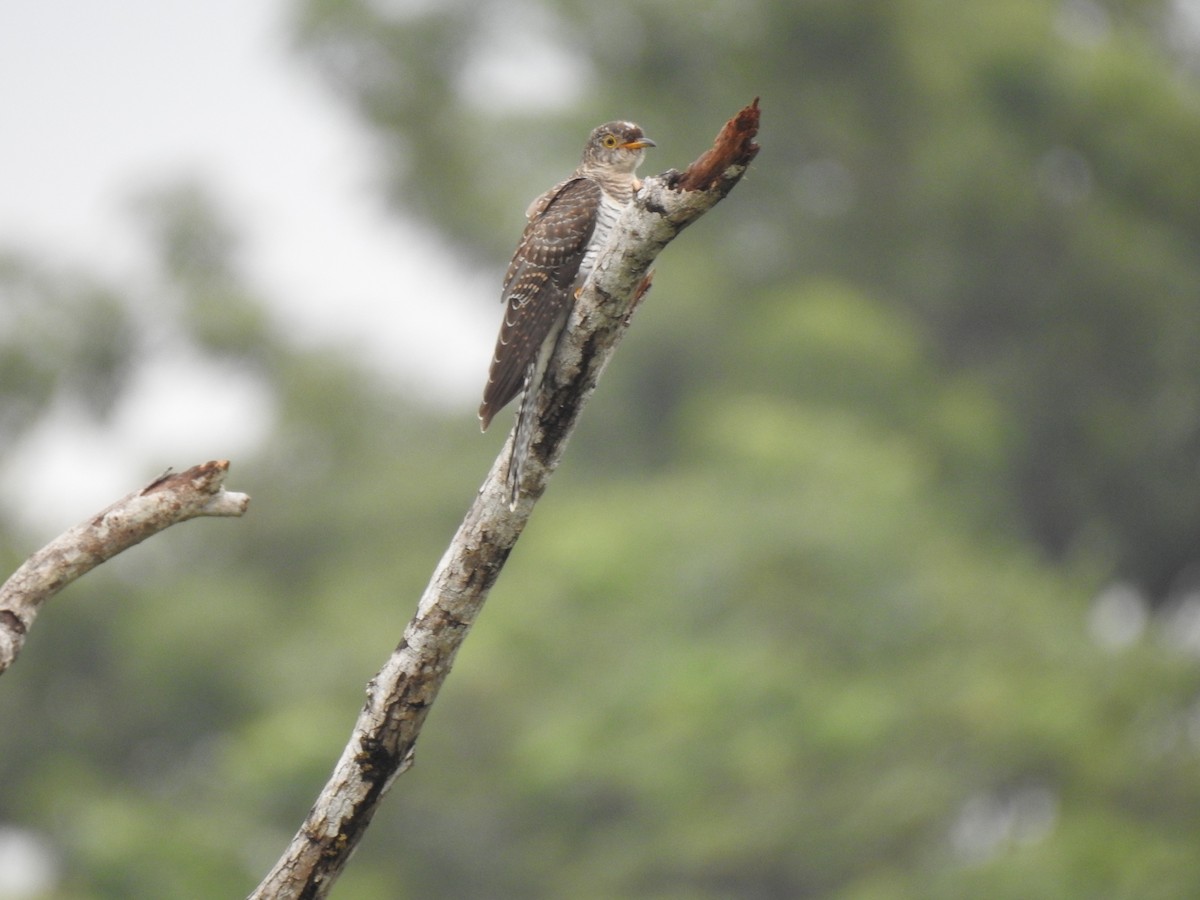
(616, 145)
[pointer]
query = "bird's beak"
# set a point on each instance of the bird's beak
(639, 144)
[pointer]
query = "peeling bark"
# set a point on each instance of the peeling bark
(399, 696)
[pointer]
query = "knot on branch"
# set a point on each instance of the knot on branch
(205, 478)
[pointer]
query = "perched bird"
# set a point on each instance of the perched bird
(568, 227)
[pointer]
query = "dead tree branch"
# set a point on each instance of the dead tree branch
(166, 501)
(400, 695)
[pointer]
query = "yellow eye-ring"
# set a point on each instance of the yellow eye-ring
(610, 140)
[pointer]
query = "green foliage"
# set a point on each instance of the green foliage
(62, 334)
(1020, 183)
(197, 251)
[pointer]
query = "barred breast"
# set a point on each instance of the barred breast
(607, 213)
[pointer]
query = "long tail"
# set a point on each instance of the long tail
(523, 439)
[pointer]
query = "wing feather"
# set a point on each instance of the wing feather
(539, 284)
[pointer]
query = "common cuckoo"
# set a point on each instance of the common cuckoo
(568, 227)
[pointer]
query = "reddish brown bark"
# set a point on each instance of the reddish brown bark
(734, 146)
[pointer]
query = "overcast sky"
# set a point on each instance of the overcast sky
(100, 100)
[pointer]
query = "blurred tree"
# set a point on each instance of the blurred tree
(1022, 182)
(63, 334)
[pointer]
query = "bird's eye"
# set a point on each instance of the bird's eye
(610, 141)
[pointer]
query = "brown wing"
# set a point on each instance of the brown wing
(538, 285)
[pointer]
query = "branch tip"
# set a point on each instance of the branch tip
(170, 498)
(734, 146)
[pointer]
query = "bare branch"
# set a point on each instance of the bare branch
(167, 500)
(400, 695)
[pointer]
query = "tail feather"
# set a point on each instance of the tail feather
(527, 418)
(523, 438)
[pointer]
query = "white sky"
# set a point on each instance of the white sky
(99, 100)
